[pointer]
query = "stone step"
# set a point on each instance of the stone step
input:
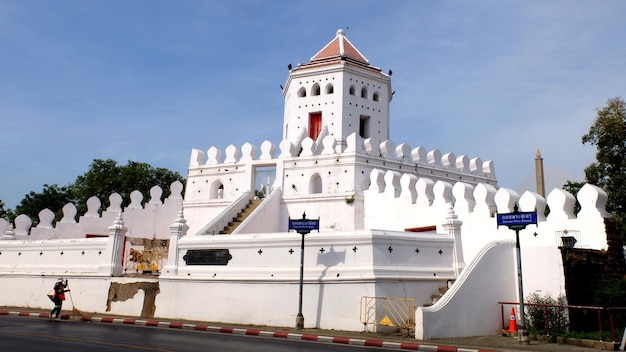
(442, 290)
(245, 212)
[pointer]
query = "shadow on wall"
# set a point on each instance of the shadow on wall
(328, 259)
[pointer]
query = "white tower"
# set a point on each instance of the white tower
(337, 93)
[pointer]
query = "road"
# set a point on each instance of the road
(21, 334)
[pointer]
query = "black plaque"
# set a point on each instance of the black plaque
(207, 257)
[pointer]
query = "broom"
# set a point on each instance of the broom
(76, 313)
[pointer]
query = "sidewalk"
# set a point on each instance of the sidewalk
(384, 340)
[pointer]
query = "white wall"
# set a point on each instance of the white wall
(352, 265)
(89, 257)
(477, 207)
(343, 175)
(143, 219)
(470, 307)
(265, 216)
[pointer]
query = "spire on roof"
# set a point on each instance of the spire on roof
(340, 47)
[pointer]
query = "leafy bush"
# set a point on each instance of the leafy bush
(557, 318)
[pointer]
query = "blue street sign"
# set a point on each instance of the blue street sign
(306, 225)
(517, 219)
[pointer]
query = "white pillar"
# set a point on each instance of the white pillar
(452, 225)
(117, 236)
(177, 229)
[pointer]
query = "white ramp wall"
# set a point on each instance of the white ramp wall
(470, 307)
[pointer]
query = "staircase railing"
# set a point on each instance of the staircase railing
(273, 196)
(221, 220)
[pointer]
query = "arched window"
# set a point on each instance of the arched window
(301, 92)
(315, 184)
(375, 97)
(217, 190)
(316, 89)
(364, 92)
(352, 90)
(330, 89)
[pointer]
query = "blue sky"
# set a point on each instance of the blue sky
(150, 80)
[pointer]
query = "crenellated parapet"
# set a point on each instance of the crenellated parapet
(485, 199)
(144, 219)
(323, 166)
(398, 202)
(323, 171)
(328, 145)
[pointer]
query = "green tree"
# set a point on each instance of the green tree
(103, 178)
(52, 197)
(4, 213)
(573, 187)
(608, 135)
(106, 177)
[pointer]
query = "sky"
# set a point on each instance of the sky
(148, 81)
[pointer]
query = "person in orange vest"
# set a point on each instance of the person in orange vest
(58, 296)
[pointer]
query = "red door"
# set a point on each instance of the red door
(315, 125)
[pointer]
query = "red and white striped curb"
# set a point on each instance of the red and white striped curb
(255, 332)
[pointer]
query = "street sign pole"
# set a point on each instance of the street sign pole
(300, 317)
(517, 221)
(523, 334)
(302, 227)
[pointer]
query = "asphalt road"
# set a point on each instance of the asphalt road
(19, 334)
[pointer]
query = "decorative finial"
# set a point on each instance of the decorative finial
(180, 219)
(9, 233)
(451, 214)
(179, 226)
(118, 223)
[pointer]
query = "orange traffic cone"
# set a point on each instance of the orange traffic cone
(513, 322)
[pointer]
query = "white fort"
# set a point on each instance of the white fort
(396, 224)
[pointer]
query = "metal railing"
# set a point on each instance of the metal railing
(386, 311)
(598, 311)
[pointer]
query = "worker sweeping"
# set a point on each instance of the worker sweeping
(58, 296)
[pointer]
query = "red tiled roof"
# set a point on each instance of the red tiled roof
(338, 48)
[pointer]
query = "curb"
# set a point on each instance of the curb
(256, 332)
